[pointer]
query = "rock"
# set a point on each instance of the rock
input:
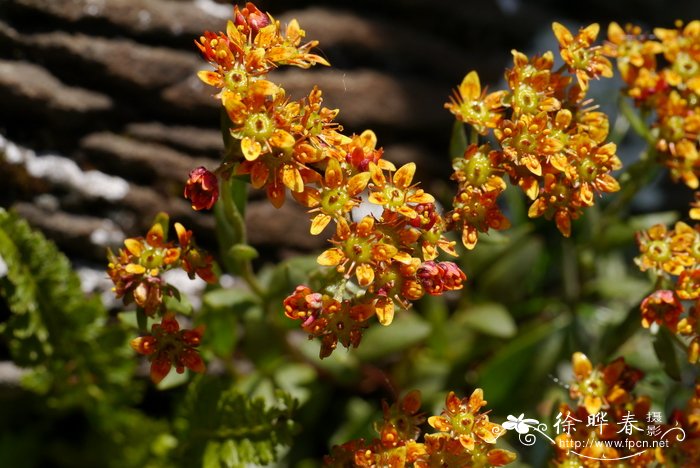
(184, 138)
(160, 20)
(112, 62)
(82, 235)
(141, 162)
(146, 203)
(367, 98)
(194, 99)
(285, 227)
(27, 90)
(363, 41)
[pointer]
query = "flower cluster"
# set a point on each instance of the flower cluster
(685, 452)
(137, 273)
(662, 74)
(607, 410)
(379, 261)
(551, 140)
(465, 437)
(168, 346)
(673, 257)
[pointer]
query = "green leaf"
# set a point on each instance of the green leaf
(228, 298)
(220, 424)
(503, 374)
(180, 305)
(516, 266)
(667, 351)
(53, 328)
(163, 219)
(490, 318)
(617, 335)
(243, 252)
(406, 330)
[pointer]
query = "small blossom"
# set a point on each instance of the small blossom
(169, 346)
(202, 189)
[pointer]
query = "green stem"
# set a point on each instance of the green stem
(570, 271)
(473, 136)
(637, 177)
(233, 216)
(249, 277)
(235, 219)
(636, 121)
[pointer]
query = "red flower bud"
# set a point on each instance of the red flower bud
(430, 275)
(202, 189)
(452, 276)
(250, 20)
(144, 344)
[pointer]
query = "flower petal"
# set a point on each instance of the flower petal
(331, 257)
(319, 223)
(404, 176)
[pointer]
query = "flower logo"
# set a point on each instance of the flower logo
(521, 424)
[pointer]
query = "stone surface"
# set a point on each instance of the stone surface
(148, 19)
(197, 140)
(26, 88)
(142, 162)
(285, 227)
(119, 62)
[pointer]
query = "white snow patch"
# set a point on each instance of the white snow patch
(212, 8)
(95, 281)
(107, 235)
(63, 171)
(192, 289)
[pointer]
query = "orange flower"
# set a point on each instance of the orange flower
(681, 48)
(325, 318)
(631, 50)
(169, 346)
(360, 250)
(476, 211)
(662, 307)
(253, 45)
(397, 194)
(598, 388)
(663, 251)
(136, 270)
(462, 421)
(534, 86)
(473, 106)
(336, 197)
(580, 55)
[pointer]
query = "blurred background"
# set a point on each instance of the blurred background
(102, 118)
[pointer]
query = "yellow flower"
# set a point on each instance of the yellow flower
(473, 106)
(664, 251)
(631, 50)
(580, 55)
(336, 197)
(533, 84)
(397, 194)
(359, 249)
(461, 420)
